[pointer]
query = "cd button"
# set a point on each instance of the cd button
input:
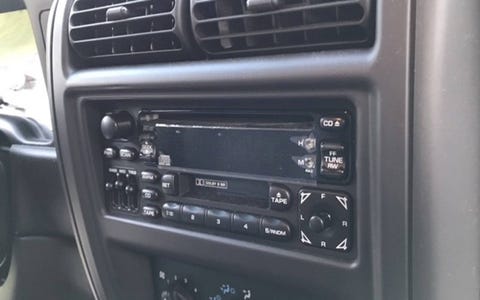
(275, 228)
(219, 219)
(332, 123)
(171, 211)
(150, 195)
(245, 223)
(193, 214)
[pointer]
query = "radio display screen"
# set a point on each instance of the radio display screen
(268, 149)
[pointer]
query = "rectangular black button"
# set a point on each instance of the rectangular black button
(275, 228)
(245, 223)
(150, 211)
(171, 211)
(169, 184)
(332, 122)
(219, 219)
(128, 154)
(333, 160)
(110, 153)
(193, 214)
(150, 195)
(149, 176)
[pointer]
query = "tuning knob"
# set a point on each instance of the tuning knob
(117, 125)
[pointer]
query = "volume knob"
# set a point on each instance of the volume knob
(117, 125)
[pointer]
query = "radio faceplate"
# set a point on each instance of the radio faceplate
(256, 175)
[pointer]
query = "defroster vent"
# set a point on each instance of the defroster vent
(128, 30)
(226, 27)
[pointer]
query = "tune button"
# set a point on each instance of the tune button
(150, 195)
(219, 219)
(171, 211)
(149, 176)
(333, 160)
(128, 153)
(245, 223)
(275, 228)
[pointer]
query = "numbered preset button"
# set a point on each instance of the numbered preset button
(245, 223)
(218, 219)
(193, 214)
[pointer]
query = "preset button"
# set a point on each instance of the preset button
(275, 228)
(245, 223)
(219, 219)
(193, 214)
(171, 211)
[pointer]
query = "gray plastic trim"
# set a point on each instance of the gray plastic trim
(446, 152)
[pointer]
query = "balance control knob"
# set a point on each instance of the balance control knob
(117, 125)
(320, 222)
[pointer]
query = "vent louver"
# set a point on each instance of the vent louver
(127, 30)
(224, 27)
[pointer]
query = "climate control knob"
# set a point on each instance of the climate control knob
(117, 125)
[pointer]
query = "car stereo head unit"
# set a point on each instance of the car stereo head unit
(257, 173)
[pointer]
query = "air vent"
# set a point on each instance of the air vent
(125, 30)
(225, 27)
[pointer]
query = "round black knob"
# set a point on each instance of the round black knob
(320, 222)
(179, 292)
(117, 125)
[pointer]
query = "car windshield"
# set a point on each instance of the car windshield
(22, 85)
